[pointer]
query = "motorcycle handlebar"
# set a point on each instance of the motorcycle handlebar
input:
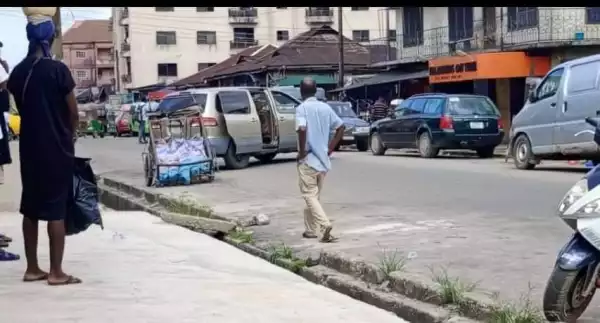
(591, 122)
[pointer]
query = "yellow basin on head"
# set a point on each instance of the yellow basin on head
(42, 11)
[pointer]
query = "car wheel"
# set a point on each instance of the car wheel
(377, 147)
(362, 145)
(522, 154)
(426, 148)
(486, 152)
(233, 160)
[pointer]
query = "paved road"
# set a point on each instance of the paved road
(488, 221)
(135, 271)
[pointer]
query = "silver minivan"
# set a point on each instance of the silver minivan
(552, 124)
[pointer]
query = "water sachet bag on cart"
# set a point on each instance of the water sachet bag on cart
(187, 156)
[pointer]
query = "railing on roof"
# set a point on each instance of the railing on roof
(319, 15)
(243, 15)
(244, 43)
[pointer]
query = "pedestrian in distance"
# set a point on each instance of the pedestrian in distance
(380, 109)
(4, 150)
(43, 91)
(315, 121)
(144, 107)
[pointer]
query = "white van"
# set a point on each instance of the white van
(552, 124)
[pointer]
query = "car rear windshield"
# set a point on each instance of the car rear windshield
(471, 105)
(175, 103)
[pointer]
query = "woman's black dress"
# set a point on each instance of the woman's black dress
(46, 148)
(4, 107)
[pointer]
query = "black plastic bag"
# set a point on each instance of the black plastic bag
(84, 209)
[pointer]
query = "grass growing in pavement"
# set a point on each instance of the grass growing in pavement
(282, 251)
(390, 261)
(451, 289)
(242, 236)
(524, 312)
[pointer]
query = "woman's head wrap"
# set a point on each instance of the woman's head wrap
(40, 33)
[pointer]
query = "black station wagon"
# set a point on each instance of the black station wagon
(431, 122)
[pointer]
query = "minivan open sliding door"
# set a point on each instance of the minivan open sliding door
(242, 120)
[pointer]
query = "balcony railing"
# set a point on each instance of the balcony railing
(241, 44)
(103, 63)
(243, 15)
(543, 27)
(85, 83)
(319, 15)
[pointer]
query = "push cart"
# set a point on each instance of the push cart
(178, 152)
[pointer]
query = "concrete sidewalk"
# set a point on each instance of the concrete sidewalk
(140, 269)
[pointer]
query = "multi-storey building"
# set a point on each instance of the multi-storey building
(88, 51)
(163, 44)
(494, 50)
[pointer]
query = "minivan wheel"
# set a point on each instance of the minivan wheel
(266, 158)
(377, 147)
(233, 160)
(426, 149)
(362, 144)
(522, 154)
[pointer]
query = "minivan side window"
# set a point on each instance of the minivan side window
(418, 106)
(284, 102)
(434, 106)
(233, 102)
(549, 86)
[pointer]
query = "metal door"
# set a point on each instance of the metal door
(242, 121)
(285, 107)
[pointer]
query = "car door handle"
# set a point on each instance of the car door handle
(253, 120)
(553, 104)
(564, 106)
(281, 118)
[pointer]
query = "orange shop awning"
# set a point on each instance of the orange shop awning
(481, 66)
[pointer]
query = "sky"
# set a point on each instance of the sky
(12, 33)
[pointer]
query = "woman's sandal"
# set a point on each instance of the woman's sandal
(5, 238)
(71, 280)
(35, 278)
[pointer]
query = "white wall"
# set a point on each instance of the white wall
(143, 23)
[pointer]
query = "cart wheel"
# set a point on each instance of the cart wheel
(211, 178)
(148, 171)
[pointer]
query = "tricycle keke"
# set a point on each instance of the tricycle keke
(178, 152)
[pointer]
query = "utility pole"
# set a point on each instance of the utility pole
(57, 47)
(388, 41)
(341, 46)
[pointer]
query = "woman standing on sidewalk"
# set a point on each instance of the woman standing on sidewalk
(4, 150)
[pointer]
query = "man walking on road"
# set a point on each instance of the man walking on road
(143, 118)
(315, 121)
(380, 109)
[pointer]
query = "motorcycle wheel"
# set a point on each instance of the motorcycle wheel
(562, 298)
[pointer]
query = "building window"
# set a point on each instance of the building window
(79, 54)
(360, 35)
(205, 9)
(359, 8)
(82, 75)
(460, 23)
(243, 34)
(164, 9)
(392, 34)
(283, 35)
(206, 37)
(202, 66)
(592, 15)
(412, 24)
(168, 69)
(166, 38)
(522, 18)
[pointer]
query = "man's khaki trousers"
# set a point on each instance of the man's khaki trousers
(311, 184)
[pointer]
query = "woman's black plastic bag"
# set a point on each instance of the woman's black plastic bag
(84, 209)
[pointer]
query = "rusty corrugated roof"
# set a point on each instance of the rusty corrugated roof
(198, 78)
(314, 48)
(88, 31)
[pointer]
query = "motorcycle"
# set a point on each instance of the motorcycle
(575, 278)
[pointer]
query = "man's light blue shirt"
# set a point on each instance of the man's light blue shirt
(320, 121)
